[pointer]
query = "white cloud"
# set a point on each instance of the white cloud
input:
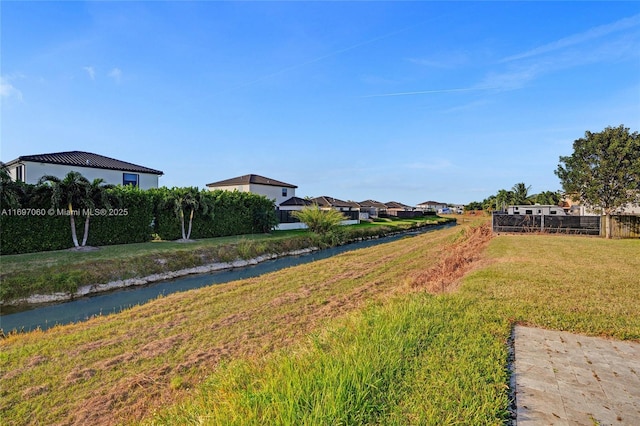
(575, 39)
(429, 92)
(116, 74)
(512, 79)
(8, 90)
(91, 72)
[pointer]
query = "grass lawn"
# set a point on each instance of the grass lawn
(354, 339)
(65, 270)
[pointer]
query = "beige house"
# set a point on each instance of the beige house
(30, 168)
(256, 184)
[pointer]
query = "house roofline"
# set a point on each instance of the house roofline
(65, 158)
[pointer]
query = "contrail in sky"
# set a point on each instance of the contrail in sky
(426, 92)
(328, 55)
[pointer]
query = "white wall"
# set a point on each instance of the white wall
(273, 192)
(34, 171)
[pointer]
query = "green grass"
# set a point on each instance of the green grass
(394, 364)
(340, 341)
(64, 271)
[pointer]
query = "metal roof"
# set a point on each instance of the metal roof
(85, 159)
(251, 179)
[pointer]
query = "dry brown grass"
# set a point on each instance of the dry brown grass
(120, 368)
(460, 258)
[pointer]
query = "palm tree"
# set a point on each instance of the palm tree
(521, 194)
(10, 191)
(72, 190)
(96, 198)
(183, 199)
(503, 199)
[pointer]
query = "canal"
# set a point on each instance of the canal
(81, 309)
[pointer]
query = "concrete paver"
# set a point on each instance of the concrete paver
(569, 379)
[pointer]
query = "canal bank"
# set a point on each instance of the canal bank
(114, 297)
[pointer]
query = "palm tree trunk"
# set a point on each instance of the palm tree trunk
(86, 231)
(190, 222)
(184, 237)
(74, 234)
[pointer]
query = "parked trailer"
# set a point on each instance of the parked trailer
(536, 210)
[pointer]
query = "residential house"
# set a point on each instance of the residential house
(350, 209)
(284, 212)
(270, 188)
(579, 209)
(295, 203)
(395, 208)
(30, 168)
(372, 208)
(431, 206)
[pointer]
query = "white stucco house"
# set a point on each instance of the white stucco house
(30, 168)
(434, 206)
(256, 184)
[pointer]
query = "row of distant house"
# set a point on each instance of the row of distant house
(286, 201)
(30, 168)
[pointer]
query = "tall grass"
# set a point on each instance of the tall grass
(397, 363)
(345, 340)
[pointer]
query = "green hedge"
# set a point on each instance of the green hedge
(132, 216)
(230, 213)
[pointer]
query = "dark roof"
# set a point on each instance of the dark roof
(325, 201)
(85, 159)
(372, 203)
(396, 205)
(432, 203)
(296, 201)
(247, 179)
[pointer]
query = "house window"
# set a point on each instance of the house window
(20, 173)
(130, 179)
(284, 192)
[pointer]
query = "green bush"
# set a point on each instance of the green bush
(131, 216)
(319, 221)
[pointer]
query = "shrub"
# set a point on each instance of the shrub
(319, 221)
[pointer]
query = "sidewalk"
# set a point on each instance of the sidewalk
(569, 379)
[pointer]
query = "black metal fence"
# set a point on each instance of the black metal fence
(585, 225)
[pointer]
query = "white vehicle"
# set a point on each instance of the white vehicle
(536, 210)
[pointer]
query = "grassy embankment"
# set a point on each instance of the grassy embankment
(64, 270)
(354, 339)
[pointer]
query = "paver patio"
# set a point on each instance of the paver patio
(568, 379)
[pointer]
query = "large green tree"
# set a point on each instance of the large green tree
(603, 171)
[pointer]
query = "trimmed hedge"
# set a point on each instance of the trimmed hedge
(229, 213)
(132, 216)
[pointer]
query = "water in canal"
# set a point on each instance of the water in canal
(46, 316)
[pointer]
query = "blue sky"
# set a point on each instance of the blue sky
(403, 101)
